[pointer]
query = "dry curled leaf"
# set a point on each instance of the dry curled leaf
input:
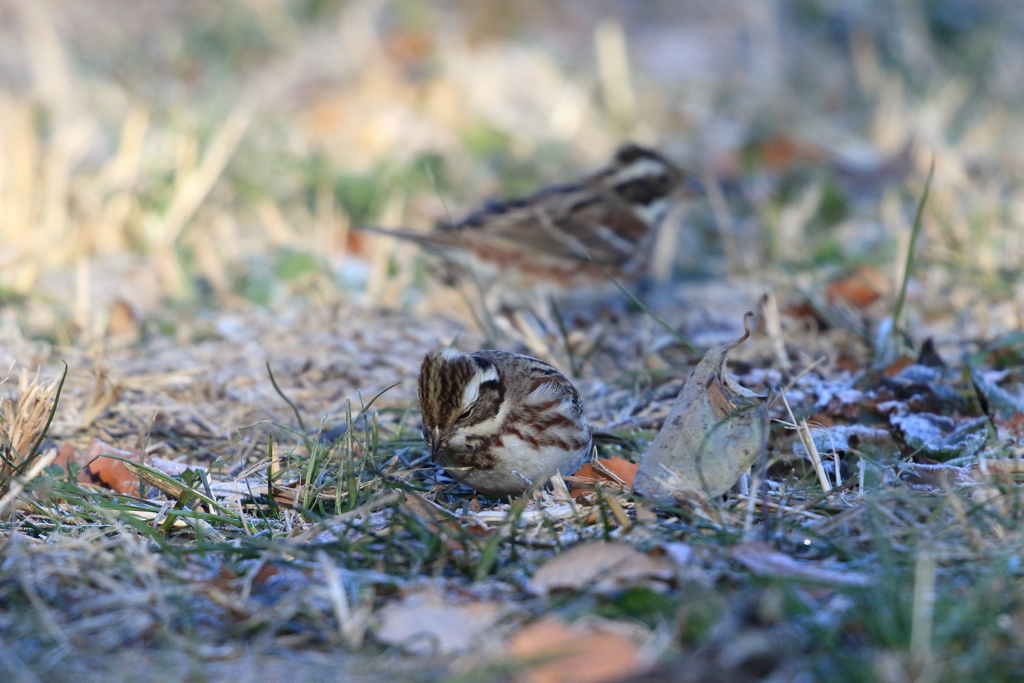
(715, 431)
(558, 652)
(122, 321)
(601, 566)
(615, 470)
(897, 366)
(110, 473)
(858, 288)
(426, 622)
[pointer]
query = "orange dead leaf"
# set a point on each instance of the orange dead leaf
(122, 321)
(848, 363)
(358, 244)
(110, 473)
(224, 578)
(852, 292)
(65, 455)
(859, 288)
(409, 48)
(821, 419)
(894, 368)
(801, 309)
(782, 152)
(264, 574)
(559, 652)
(606, 470)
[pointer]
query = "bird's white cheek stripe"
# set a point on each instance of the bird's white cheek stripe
(488, 427)
(472, 391)
(639, 169)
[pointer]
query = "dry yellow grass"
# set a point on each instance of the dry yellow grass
(22, 423)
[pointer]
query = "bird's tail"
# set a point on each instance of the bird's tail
(426, 239)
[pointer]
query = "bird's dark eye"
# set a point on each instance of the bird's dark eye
(465, 414)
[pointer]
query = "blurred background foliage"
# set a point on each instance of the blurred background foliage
(160, 155)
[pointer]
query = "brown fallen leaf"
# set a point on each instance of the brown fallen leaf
(606, 470)
(427, 622)
(122, 322)
(599, 566)
(858, 288)
(1012, 426)
(556, 651)
(715, 432)
(108, 472)
(848, 363)
(896, 367)
(782, 152)
(821, 420)
(65, 455)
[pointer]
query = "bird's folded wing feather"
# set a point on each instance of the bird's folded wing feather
(570, 222)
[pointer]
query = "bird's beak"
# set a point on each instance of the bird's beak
(435, 442)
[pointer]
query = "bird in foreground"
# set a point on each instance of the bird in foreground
(500, 422)
(561, 237)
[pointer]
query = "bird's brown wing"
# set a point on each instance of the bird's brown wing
(576, 222)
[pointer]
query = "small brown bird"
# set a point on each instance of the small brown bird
(499, 422)
(561, 236)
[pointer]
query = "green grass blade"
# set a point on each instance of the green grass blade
(914, 233)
